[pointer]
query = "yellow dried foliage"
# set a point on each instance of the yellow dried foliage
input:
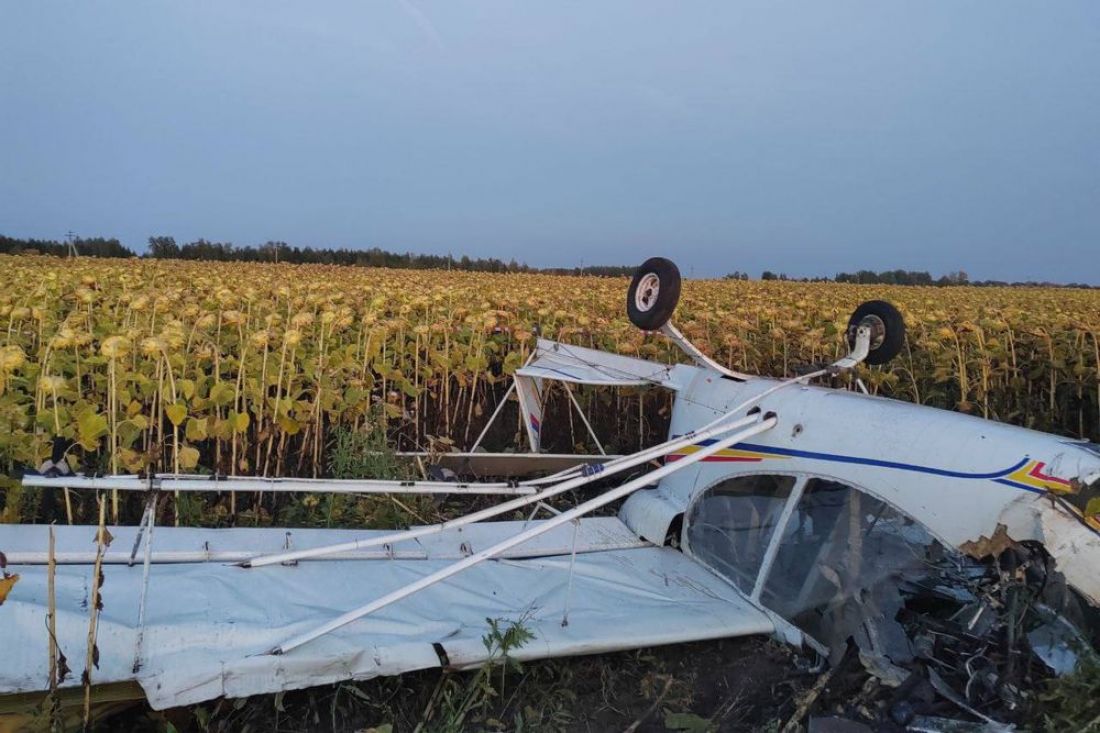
(235, 367)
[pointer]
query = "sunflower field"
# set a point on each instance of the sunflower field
(244, 368)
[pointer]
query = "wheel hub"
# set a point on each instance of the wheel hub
(878, 330)
(646, 295)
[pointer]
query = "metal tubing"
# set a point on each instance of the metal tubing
(675, 336)
(257, 483)
(493, 417)
(146, 566)
(711, 429)
(124, 483)
(179, 557)
(776, 539)
(518, 539)
(584, 418)
(609, 469)
(186, 557)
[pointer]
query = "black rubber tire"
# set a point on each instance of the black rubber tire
(659, 311)
(894, 325)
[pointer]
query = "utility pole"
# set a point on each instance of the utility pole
(70, 239)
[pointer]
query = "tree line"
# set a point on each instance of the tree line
(910, 277)
(88, 247)
(202, 249)
(164, 247)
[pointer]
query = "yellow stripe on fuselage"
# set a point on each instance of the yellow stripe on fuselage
(729, 454)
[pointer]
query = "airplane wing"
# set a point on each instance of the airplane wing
(580, 365)
(555, 361)
(208, 624)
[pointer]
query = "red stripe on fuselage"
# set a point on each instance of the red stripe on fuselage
(1037, 473)
(717, 459)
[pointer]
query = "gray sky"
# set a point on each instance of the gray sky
(804, 137)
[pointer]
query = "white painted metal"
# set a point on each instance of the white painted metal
(168, 482)
(580, 365)
(608, 469)
(493, 417)
(710, 429)
(146, 568)
(207, 625)
(584, 418)
(645, 295)
(777, 539)
(572, 568)
(530, 392)
(566, 516)
(859, 353)
(696, 355)
(958, 475)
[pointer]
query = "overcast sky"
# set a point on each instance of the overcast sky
(804, 137)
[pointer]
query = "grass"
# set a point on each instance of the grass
(1072, 702)
(728, 685)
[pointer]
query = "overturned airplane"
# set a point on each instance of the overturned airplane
(771, 505)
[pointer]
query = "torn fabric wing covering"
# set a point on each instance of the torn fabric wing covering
(580, 365)
(209, 625)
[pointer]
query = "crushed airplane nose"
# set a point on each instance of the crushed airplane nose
(1062, 517)
(945, 633)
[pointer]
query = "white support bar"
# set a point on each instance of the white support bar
(778, 537)
(97, 483)
(149, 520)
(609, 469)
(178, 557)
(674, 335)
(170, 482)
(714, 428)
(584, 418)
(236, 557)
(620, 492)
(493, 417)
(859, 351)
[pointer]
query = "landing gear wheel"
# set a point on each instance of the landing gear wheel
(653, 294)
(887, 330)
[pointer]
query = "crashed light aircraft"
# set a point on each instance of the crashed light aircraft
(768, 497)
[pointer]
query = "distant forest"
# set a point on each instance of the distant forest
(93, 247)
(202, 249)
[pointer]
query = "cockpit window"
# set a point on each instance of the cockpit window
(730, 525)
(840, 540)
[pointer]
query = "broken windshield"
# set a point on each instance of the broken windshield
(839, 540)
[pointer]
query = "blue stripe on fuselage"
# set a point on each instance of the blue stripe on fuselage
(836, 458)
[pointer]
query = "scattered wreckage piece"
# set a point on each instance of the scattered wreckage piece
(939, 544)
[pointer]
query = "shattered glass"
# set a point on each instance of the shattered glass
(840, 541)
(874, 585)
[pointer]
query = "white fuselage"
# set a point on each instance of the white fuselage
(958, 475)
